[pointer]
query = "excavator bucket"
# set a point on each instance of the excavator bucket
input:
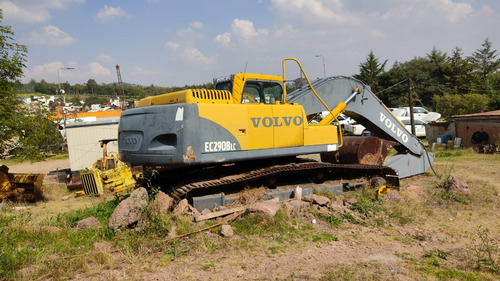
(360, 150)
(20, 186)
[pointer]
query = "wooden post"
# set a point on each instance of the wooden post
(410, 101)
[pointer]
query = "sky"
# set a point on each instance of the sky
(186, 42)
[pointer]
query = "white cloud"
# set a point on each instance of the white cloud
(453, 11)
(33, 11)
(223, 39)
(172, 46)
(50, 35)
(104, 58)
(80, 73)
(45, 70)
(140, 71)
(246, 30)
(108, 14)
(95, 69)
(242, 32)
(196, 25)
(182, 47)
(190, 34)
(377, 34)
(192, 54)
(312, 11)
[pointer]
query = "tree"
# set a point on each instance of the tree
(12, 61)
(45, 88)
(37, 139)
(450, 104)
(426, 83)
(95, 100)
(457, 73)
(27, 134)
(370, 71)
(485, 61)
(91, 87)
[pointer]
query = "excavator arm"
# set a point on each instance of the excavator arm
(412, 157)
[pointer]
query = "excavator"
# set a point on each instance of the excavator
(248, 129)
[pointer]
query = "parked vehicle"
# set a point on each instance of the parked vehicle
(355, 129)
(418, 113)
(419, 126)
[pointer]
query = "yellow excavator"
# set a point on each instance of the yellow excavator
(248, 128)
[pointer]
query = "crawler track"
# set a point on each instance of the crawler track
(269, 175)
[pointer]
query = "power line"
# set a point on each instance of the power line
(403, 81)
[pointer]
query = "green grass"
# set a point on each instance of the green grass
(20, 247)
(101, 211)
(331, 219)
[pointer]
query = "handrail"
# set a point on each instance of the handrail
(316, 94)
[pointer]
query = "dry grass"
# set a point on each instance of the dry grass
(429, 237)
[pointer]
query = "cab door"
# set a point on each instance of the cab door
(288, 126)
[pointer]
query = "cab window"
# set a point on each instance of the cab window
(227, 86)
(262, 92)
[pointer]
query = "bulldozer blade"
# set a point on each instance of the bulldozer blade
(20, 186)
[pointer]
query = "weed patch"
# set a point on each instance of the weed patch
(330, 219)
(361, 271)
(483, 251)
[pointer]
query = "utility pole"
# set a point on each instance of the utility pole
(410, 101)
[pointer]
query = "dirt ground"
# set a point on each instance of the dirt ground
(44, 167)
(403, 247)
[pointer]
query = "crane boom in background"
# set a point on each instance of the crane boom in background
(122, 102)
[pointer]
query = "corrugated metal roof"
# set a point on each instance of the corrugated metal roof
(97, 114)
(495, 113)
(100, 114)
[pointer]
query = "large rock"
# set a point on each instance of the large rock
(129, 210)
(181, 207)
(317, 199)
(295, 206)
(393, 195)
(457, 185)
(226, 231)
(162, 204)
(266, 208)
(88, 222)
(338, 201)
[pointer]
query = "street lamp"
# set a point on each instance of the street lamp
(64, 98)
(59, 79)
(324, 69)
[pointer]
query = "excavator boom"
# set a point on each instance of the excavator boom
(367, 109)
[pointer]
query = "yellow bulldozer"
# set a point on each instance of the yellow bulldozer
(106, 173)
(20, 186)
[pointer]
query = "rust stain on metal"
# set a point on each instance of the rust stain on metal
(189, 157)
(364, 150)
